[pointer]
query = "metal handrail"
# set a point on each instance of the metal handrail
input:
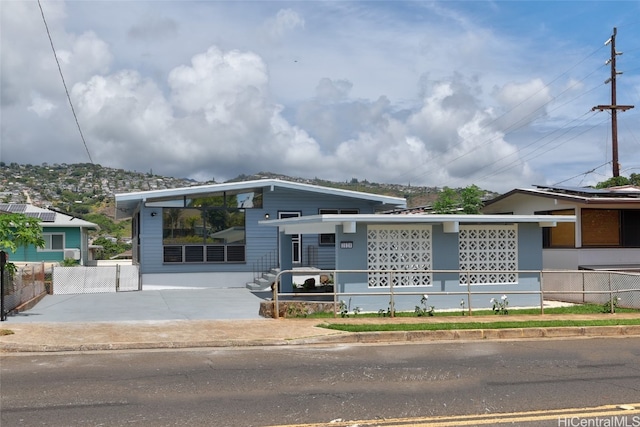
(468, 292)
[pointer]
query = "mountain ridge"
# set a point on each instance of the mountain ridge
(83, 188)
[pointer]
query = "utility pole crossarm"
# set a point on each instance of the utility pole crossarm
(612, 107)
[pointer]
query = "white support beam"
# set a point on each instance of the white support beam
(451, 226)
(548, 224)
(349, 227)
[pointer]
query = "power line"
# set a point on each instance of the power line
(65, 84)
(584, 173)
(529, 157)
(513, 126)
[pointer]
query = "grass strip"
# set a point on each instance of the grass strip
(399, 327)
(572, 309)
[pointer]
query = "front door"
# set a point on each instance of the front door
(296, 240)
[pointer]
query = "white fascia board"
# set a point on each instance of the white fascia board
(317, 228)
(305, 224)
(261, 183)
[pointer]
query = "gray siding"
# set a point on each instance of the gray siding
(444, 257)
(261, 241)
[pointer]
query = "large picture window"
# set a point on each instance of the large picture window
(206, 229)
(610, 227)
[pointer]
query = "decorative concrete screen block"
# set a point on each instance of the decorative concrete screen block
(398, 250)
(489, 253)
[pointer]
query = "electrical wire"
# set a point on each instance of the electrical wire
(513, 127)
(65, 84)
(584, 173)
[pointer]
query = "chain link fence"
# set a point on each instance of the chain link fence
(595, 287)
(28, 282)
(619, 289)
(93, 280)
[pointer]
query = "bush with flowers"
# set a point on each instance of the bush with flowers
(500, 306)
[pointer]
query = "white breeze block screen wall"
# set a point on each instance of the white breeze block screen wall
(399, 247)
(484, 249)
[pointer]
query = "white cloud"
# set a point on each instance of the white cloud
(285, 21)
(41, 106)
(427, 93)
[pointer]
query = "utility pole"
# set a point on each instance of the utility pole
(614, 107)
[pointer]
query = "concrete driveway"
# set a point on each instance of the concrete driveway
(147, 305)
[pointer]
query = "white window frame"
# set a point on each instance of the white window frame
(47, 237)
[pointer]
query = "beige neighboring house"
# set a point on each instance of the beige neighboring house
(606, 234)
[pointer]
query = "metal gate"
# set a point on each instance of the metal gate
(93, 280)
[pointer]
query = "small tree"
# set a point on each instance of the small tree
(471, 199)
(447, 201)
(613, 182)
(18, 230)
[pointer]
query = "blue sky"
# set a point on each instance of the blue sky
(493, 93)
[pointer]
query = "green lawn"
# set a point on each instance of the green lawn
(572, 309)
(503, 324)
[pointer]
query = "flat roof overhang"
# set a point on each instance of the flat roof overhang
(318, 224)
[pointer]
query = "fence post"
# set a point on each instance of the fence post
(3, 261)
(335, 297)
(611, 305)
(469, 293)
(392, 305)
(276, 289)
(117, 277)
(541, 294)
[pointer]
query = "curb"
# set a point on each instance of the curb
(345, 338)
(478, 334)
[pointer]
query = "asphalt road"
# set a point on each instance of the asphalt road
(473, 382)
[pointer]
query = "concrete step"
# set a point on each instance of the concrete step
(254, 287)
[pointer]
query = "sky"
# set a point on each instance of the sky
(432, 93)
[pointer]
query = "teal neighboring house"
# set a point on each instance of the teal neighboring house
(65, 236)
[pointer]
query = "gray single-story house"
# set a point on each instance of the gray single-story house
(64, 236)
(209, 235)
(605, 235)
(423, 253)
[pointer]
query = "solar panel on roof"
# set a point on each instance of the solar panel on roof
(32, 214)
(16, 208)
(48, 216)
(583, 190)
(588, 191)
